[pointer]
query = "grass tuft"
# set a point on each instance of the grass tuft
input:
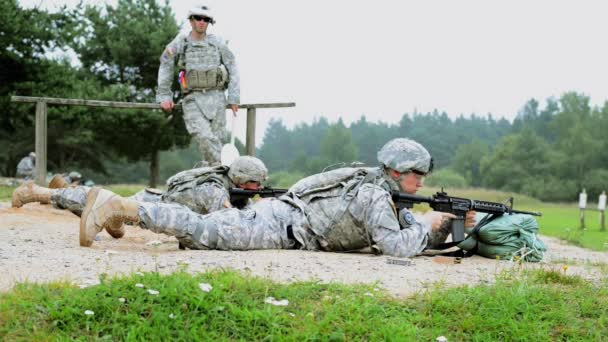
(536, 305)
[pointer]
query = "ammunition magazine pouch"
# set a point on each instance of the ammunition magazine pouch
(197, 80)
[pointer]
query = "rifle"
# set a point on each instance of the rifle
(238, 194)
(457, 206)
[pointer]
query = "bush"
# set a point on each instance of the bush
(446, 178)
(551, 189)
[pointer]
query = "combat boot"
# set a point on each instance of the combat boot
(105, 209)
(58, 182)
(29, 192)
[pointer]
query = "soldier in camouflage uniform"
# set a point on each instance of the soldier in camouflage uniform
(26, 166)
(66, 180)
(207, 67)
(202, 190)
(346, 209)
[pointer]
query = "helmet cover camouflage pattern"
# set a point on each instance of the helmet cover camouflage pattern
(405, 155)
(247, 169)
(75, 175)
(204, 11)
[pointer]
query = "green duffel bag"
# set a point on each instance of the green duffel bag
(507, 237)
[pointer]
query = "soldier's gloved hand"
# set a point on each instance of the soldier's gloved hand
(167, 105)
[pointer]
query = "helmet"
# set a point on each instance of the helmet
(203, 11)
(74, 176)
(32, 154)
(247, 169)
(405, 155)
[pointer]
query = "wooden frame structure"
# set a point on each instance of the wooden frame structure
(41, 121)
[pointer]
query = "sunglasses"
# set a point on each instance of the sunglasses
(200, 17)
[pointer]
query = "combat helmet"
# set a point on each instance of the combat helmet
(405, 155)
(204, 11)
(75, 176)
(247, 169)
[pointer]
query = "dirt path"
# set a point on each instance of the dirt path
(40, 244)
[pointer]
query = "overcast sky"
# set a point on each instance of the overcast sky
(384, 58)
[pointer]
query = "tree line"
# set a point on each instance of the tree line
(550, 151)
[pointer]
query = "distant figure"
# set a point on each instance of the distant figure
(206, 69)
(25, 168)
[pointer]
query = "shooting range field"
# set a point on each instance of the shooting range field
(67, 292)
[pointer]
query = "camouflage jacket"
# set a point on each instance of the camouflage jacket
(351, 208)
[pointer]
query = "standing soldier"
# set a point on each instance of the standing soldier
(206, 68)
(26, 166)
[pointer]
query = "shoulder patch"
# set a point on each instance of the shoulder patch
(408, 217)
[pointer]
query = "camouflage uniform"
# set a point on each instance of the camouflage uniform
(26, 167)
(204, 110)
(341, 210)
(203, 190)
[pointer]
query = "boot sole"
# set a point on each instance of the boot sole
(91, 198)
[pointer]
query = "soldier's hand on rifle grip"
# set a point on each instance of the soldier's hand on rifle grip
(470, 220)
(167, 105)
(437, 219)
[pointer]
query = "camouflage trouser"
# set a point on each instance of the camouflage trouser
(205, 119)
(74, 199)
(264, 225)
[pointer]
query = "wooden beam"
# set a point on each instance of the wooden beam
(133, 105)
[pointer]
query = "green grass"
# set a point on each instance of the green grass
(540, 305)
(125, 190)
(6, 193)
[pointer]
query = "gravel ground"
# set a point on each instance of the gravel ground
(40, 244)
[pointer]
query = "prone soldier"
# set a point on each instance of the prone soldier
(346, 209)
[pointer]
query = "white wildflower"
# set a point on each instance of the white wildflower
(122, 300)
(272, 301)
(171, 316)
(89, 313)
(205, 287)
(441, 339)
(139, 285)
(153, 292)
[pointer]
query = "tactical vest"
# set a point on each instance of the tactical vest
(191, 178)
(200, 66)
(327, 201)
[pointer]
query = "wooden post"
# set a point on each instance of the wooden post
(251, 131)
(582, 204)
(41, 137)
